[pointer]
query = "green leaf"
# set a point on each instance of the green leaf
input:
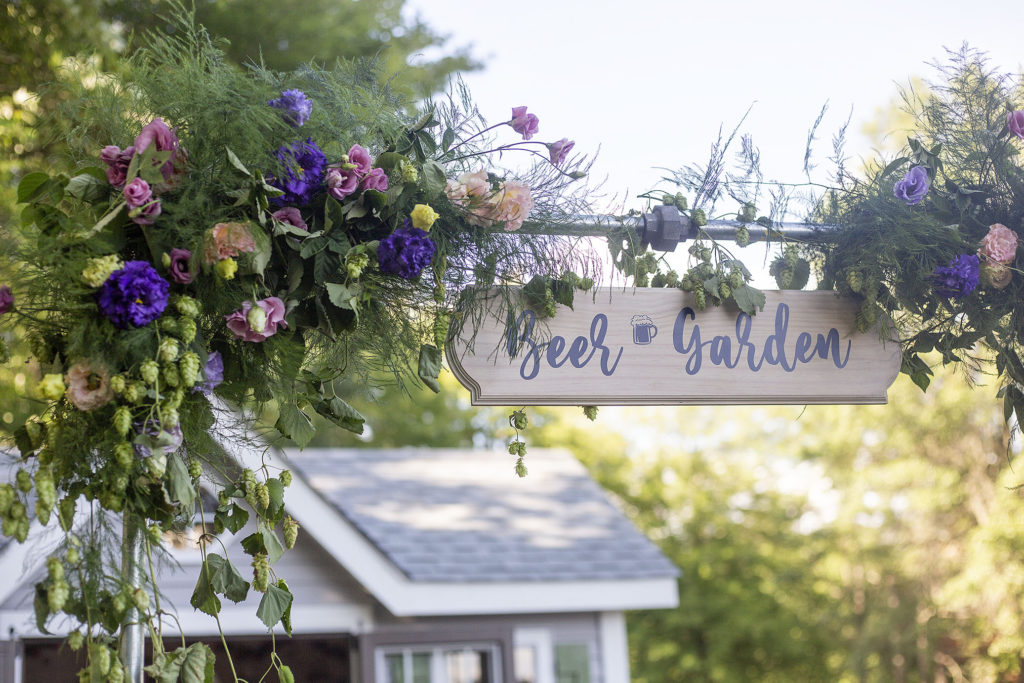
(430, 366)
(893, 165)
(32, 186)
(294, 423)
(203, 597)
(535, 291)
(179, 483)
(342, 414)
(41, 608)
(87, 187)
(563, 292)
(433, 177)
(447, 139)
(260, 256)
(276, 508)
(23, 441)
(388, 160)
(344, 296)
(233, 519)
(313, 244)
(749, 299)
(265, 541)
(237, 163)
(326, 265)
(275, 603)
(225, 579)
(375, 199)
(197, 664)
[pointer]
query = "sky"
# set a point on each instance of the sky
(649, 82)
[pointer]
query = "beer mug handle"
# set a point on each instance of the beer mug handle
(654, 331)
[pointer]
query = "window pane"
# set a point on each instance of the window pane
(526, 664)
(395, 668)
(421, 667)
(572, 664)
(468, 666)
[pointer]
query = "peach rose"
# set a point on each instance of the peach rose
(88, 386)
(227, 240)
(512, 205)
(999, 245)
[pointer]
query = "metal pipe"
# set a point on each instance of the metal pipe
(133, 635)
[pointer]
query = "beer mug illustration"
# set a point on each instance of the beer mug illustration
(644, 330)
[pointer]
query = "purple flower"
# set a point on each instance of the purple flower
(560, 150)
(913, 187)
(523, 123)
(405, 252)
(137, 193)
(150, 435)
(117, 161)
(341, 182)
(291, 216)
(294, 105)
(133, 296)
(304, 165)
(361, 158)
(241, 322)
(213, 373)
(376, 179)
(959, 278)
(145, 215)
(179, 268)
(1015, 122)
(156, 132)
(6, 299)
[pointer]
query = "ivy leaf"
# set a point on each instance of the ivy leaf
(32, 186)
(203, 597)
(276, 602)
(236, 162)
(433, 177)
(225, 579)
(430, 366)
(749, 299)
(233, 518)
(294, 423)
(179, 483)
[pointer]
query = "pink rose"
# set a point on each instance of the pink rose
(1015, 121)
(137, 193)
(361, 158)
(291, 216)
(341, 183)
(145, 215)
(227, 240)
(999, 245)
(558, 151)
(88, 386)
(238, 322)
(512, 205)
(376, 179)
(523, 123)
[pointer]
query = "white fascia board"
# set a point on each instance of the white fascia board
(406, 598)
(236, 621)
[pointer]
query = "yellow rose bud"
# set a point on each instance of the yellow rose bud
(226, 268)
(52, 387)
(423, 216)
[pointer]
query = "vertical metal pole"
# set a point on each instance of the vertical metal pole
(133, 637)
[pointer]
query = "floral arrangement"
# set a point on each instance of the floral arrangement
(242, 239)
(930, 239)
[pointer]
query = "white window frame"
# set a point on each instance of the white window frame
(438, 674)
(540, 640)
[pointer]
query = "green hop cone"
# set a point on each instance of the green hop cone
(7, 497)
(700, 299)
(286, 478)
(521, 470)
(188, 368)
(17, 511)
(513, 448)
(149, 371)
(724, 290)
(518, 420)
(742, 236)
(24, 481)
(119, 483)
(261, 573)
(134, 392)
(586, 283)
(671, 279)
(439, 292)
(99, 660)
(735, 278)
(122, 420)
(590, 412)
(698, 217)
(57, 595)
(118, 384)
(169, 325)
(705, 254)
(76, 640)
(263, 495)
(124, 454)
(855, 280)
(748, 213)
(791, 256)
(72, 556)
(172, 377)
(54, 568)
(668, 199)
(186, 329)
(169, 350)
(291, 532)
(658, 280)
(120, 603)
(187, 306)
(680, 201)
(441, 324)
(66, 513)
(116, 673)
(140, 599)
(195, 468)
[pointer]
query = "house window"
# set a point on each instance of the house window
(470, 663)
(572, 663)
(525, 663)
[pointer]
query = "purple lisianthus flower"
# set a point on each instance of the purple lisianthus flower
(376, 179)
(523, 123)
(959, 278)
(157, 132)
(405, 252)
(151, 435)
(560, 150)
(294, 105)
(6, 299)
(1015, 122)
(117, 161)
(304, 164)
(291, 216)
(213, 373)
(361, 158)
(145, 215)
(341, 182)
(241, 322)
(179, 268)
(133, 296)
(913, 187)
(137, 193)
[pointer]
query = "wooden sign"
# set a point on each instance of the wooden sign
(653, 347)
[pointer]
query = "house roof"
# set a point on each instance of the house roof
(443, 515)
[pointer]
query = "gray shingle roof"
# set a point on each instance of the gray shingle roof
(462, 515)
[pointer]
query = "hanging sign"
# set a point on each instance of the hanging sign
(653, 347)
